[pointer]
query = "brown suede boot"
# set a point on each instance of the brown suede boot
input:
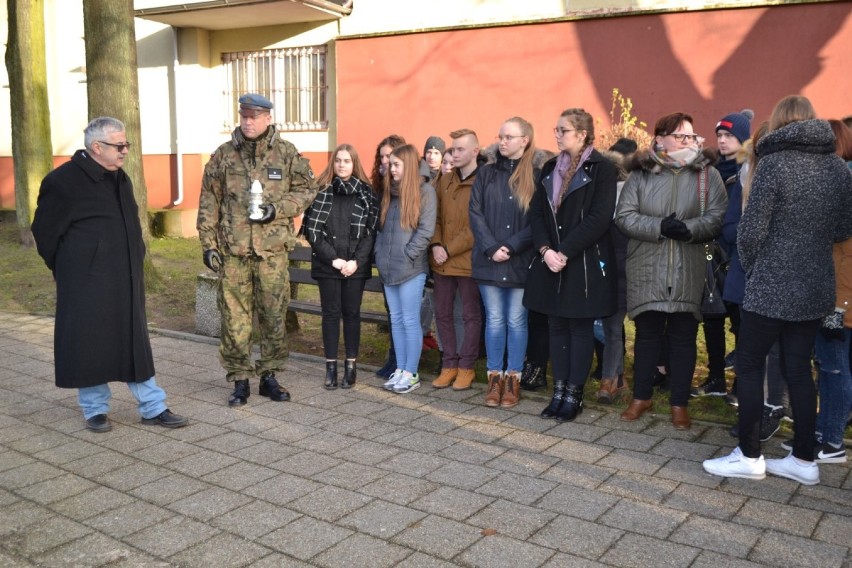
(496, 383)
(512, 390)
(609, 391)
(445, 379)
(636, 409)
(680, 418)
(464, 379)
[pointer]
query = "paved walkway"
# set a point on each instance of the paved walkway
(366, 478)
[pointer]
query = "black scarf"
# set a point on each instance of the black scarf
(364, 215)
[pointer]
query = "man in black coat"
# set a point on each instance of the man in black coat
(87, 230)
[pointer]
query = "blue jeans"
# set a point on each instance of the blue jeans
(149, 395)
(835, 387)
(505, 327)
(404, 307)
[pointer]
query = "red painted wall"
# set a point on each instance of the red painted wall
(704, 63)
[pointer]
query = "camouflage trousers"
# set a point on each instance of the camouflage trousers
(247, 286)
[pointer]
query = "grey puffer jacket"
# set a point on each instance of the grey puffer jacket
(663, 274)
(403, 254)
(800, 204)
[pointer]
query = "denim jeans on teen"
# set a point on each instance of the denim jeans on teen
(505, 327)
(404, 307)
(835, 387)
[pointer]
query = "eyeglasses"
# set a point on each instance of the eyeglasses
(680, 137)
(507, 137)
(120, 147)
(560, 132)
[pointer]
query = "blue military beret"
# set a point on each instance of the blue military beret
(255, 101)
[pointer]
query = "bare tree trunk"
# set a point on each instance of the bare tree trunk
(32, 148)
(112, 86)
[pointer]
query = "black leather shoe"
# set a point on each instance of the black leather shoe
(330, 375)
(167, 419)
(555, 402)
(572, 404)
(241, 393)
(99, 423)
(269, 387)
(350, 375)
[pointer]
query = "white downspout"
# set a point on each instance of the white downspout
(175, 94)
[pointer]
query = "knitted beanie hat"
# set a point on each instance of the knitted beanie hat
(435, 143)
(738, 124)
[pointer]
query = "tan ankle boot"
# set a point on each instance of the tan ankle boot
(680, 418)
(445, 379)
(511, 390)
(636, 409)
(464, 379)
(496, 383)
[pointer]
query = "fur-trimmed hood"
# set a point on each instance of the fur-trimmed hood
(643, 161)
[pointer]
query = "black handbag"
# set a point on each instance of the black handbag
(715, 265)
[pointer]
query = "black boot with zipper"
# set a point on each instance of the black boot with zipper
(350, 374)
(555, 402)
(572, 404)
(330, 375)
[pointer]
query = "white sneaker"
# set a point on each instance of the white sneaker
(806, 473)
(736, 464)
(395, 376)
(407, 383)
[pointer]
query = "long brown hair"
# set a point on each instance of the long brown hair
(394, 141)
(409, 188)
(522, 180)
(791, 108)
(327, 174)
(753, 158)
(843, 139)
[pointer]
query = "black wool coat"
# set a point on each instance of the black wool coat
(87, 231)
(580, 229)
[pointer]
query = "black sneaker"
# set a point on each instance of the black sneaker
(269, 387)
(99, 423)
(770, 422)
(729, 360)
(826, 453)
(788, 444)
(713, 386)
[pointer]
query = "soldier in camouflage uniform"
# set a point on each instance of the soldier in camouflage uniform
(251, 255)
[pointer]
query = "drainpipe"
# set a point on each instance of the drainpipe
(175, 94)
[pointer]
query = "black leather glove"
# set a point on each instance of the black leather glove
(213, 260)
(832, 327)
(268, 214)
(672, 228)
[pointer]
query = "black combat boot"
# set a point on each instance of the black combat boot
(350, 374)
(330, 375)
(555, 402)
(241, 393)
(269, 387)
(533, 377)
(572, 404)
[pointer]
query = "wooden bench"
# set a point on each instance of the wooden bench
(299, 275)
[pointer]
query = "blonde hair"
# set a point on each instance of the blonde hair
(522, 180)
(327, 174)
(409, 188)
(791, 108)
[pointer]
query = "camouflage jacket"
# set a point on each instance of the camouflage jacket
(288, 184)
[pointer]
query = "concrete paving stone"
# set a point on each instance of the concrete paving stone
(362, 408)
(772, 488)
(305, 537)
(306, 415)
(132, 476)
(524, 463)
(686, 450)
(528, 441)
(629, 460)
(578, 451)
(167, 451)
(56, 489)
(470, 451)
(70, 451)
(560, 560)
(21, 514)
(278, 560)
(329, 503)
(167, 490)
(663, 428)
(230, 442)
(126, 440)
(529, 422)
(578, 431)
(638, 487)
(472, 395)
(215, 414)
(415, 464)
(328, 400)
(714, 504)
(381, 519)
(240, 475)
(196, 431)
(834, 475)
(350, 475)
(202, 463)
(573, 536)
(361, 550)
(688, 471)
(252, 424)
(482, 432)
(35, 368)
(637, 551)
(392, 434)
(209, 503)
(437, 423)
(456, 504)
(498, 551)
(93, 502)
(398, 488)
(28, 474)
(255, 519)
(93, 550)
(426, 442)
(222, 551)
(367, 453)
(11, 459)
(7, 497)
(169, 537)
(727, 538)
(577, 502)
(128, 519)
(305, 463)
(19, 431)
(438, 537)
(820, 498)
(834, 529)
(487, 414)
(106, 461)
(44, 535)
(326, 442)
(776, 516)
(579, 474)
(779, 549)
(266, 453)
(629, 440)
(643, 518)
(462, 475)
(518, 488)
(289, 432)
(57, 413)
(511, 519)
(448, 407)
(420, 560)
(708, 559)
(282, 489)
(28, 407)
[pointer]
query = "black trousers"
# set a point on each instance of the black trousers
(538, 345)
(652, 330)
(572, 346)
(341, 299)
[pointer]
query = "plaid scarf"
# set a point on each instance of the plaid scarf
(364, 215)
